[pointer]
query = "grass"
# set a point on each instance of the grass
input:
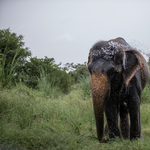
(7, 72)
(30, 119)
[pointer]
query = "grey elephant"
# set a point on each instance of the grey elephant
(119, 73)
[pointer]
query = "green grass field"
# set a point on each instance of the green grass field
(29, 119)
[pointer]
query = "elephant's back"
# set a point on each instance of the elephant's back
(122, 43)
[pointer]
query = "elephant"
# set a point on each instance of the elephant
(119, 73)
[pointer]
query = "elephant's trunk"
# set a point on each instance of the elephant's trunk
(100, 91)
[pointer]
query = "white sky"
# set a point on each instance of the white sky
(66, 29)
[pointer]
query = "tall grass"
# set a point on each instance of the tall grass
(7, 71)
(48, 86)
(146, 95)
(84, 87)
(31, 120)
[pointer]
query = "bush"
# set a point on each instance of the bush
(83, 87)
(13, 56)
(40, 71)
(77, 71)
(145, 98)
(49, 86)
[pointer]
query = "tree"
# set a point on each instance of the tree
(13, 56)
(77, 71)
(38, 68)
(34, 67)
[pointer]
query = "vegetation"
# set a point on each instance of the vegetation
(31, 120)
(18, 65)
(50, 107)
(13, 56)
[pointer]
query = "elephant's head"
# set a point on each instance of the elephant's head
(112, 64)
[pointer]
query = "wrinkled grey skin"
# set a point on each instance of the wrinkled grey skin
(119, 73)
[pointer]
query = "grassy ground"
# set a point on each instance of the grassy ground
(31, 120)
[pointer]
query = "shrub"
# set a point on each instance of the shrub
(47, 85)
(13, 56)
(84, 87)
(145, 98)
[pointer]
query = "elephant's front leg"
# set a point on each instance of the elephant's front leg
(111, 112)
(124, 121)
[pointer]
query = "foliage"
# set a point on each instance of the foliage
(148, 61)
(13, 56)
(77, 71)
(145, 95)
(49, 86)
(33, 67)
(6, 72)
(38, 71)
(54, 75)
(84, 87)
(30, 121)
(15, 66)
(40, 115)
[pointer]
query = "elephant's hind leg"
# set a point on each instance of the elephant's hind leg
(135, 127)
(106, 130)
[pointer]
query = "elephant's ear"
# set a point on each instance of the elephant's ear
(133, 63)
(90, 57)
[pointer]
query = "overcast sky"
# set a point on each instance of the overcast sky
(66, 29)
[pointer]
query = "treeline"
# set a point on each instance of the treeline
(17, 65)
